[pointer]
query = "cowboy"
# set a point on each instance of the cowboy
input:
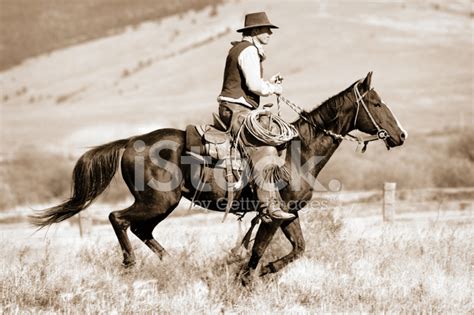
(241, 90)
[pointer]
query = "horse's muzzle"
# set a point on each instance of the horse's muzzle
(395, 141)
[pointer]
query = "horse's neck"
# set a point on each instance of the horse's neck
(316, 147)
(313, 154)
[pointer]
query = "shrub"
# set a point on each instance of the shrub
(455, 172)
(437, 160)
(463, 145)
(34, 176)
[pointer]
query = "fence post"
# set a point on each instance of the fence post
(389, 190)
(85, 223)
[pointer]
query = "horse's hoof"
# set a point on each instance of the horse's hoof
(245, 280)
(128, 264)
(270, 268)
(265, 270)
(246, 277)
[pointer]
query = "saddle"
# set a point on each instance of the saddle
(216, 141)
(213, 141)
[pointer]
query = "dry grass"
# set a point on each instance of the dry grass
(354, 264)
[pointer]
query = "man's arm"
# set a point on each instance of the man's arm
(249, 62)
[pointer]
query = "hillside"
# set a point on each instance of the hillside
(169, 73)
(30, 28)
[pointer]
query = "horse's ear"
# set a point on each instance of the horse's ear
(367, 80)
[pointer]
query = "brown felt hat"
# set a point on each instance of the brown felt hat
(257, 19)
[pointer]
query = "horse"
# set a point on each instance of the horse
(157, 159)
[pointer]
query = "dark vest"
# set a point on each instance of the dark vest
(234, 85)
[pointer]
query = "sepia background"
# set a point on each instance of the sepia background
(75, 74)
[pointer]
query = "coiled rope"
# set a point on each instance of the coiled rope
(284, 133)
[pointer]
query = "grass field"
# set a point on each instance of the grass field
(422, 262)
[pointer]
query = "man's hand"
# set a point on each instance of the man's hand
(278, 89)
(277, 78)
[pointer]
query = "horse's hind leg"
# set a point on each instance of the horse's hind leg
(292, 231)
(142, 219)
(143, 229)
(120, 222)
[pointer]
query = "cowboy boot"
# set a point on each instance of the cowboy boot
(264, 179)
(275, 212)
(270, 208)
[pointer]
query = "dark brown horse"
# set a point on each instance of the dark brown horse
(154, 170)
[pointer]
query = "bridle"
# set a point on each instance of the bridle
(382, 134)
(362, 141)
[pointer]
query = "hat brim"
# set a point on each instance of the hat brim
(240, 30)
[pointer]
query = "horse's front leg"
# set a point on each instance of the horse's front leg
(265, 234)
(292, 231)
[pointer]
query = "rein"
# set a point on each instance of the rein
(363, 141)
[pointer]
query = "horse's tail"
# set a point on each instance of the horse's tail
(91, 176)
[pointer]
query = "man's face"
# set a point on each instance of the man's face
(263, 34)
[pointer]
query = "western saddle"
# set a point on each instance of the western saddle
(215, 141)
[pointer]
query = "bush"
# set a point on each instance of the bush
(463, 145)
(34, 176)
(455, 167)
(435, 160)
(455, 172)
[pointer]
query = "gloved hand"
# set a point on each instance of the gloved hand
(277, 78)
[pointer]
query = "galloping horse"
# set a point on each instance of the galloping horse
(156, 159)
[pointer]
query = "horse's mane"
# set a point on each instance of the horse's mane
(327, 111)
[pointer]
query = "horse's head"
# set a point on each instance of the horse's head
(374, 117)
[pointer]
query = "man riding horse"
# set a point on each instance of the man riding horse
(154, 169)
(241, 90)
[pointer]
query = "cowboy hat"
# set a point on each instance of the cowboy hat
(257, 19)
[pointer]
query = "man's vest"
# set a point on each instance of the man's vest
(234, 85)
